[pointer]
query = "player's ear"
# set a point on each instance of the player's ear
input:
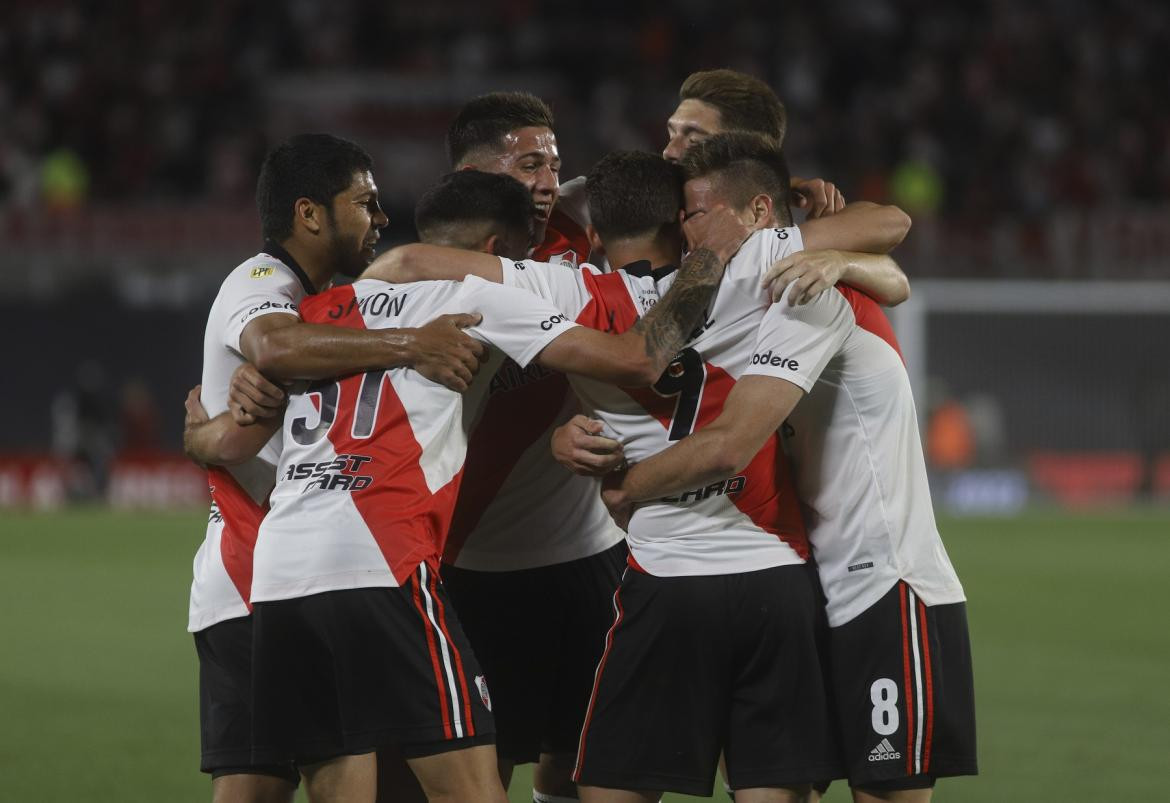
(761, 207)
(308, 214)
(596, 246)
(492, 245)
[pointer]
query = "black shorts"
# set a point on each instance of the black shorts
(538, 634)
(225, 702)
(698, 665)
(904, 693)
(344, 672)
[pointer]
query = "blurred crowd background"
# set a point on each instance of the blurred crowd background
(1030, 141)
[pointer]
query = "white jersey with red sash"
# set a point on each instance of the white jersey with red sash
(856, 451)
(265, 284)
(371, 463)
(518, 508)
(743, 523)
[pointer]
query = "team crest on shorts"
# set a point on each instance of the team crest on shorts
(481, 684)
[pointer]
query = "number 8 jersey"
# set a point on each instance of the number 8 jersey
(742, 523)
(371, 463)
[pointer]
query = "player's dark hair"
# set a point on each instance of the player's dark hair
(632, 194)
(745, 103)
(746, 165)
(483, 122)
(456, 210)
(313, 166)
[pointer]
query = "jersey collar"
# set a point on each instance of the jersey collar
(275, 249)
(642, 267)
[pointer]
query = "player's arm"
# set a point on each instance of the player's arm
(860, 226)
(816, 196)
(638, 356)
(812, 272)
(285, 349)
(754, 409)
(418, 262)
(220, 441)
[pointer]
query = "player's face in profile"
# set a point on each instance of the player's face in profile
(354, 221)
(693, 121)
(530, 156)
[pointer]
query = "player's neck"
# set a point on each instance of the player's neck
(661, 250)
(315, 266)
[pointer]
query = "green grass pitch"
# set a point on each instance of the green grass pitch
(1068, 619)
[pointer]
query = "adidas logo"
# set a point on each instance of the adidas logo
(884, 752)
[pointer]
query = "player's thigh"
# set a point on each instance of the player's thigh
(251, 788)
(779, 729)
(904, 692)
(465, 774)
(344, 779)
(660, 700)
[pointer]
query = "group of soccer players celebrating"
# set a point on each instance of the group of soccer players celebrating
(620, 477)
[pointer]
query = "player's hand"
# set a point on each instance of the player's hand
(442, 352)
(619, 505)
(580, 447)
(816, 196)
(196, 415)
(718, 230)
(252, 397)
(809, 272)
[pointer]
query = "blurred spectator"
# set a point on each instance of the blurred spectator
(83, 430)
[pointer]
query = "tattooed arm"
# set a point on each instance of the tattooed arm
(637, 357)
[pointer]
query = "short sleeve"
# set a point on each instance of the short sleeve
(796, 343)
(762, 249)
(562, 286)
(257, 290)
(515, 321)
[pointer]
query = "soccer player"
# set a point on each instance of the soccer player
(830, 373)
(712, 102)
(525, 528)
(319, 215)
(648, 739)
(353, 644)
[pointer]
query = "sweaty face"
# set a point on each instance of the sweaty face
(692, 122)
(353, 223)
(530, 156)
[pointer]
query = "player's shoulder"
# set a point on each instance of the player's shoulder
(261, 269)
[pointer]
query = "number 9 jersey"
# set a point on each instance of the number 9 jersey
(742, 523)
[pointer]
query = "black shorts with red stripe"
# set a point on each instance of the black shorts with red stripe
(539, 634)
(346, 672)
(698, 665)
(904, 692)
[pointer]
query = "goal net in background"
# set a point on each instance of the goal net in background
(1051, 392)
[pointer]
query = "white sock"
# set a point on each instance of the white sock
(541, 797)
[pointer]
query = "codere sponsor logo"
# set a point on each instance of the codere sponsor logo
(725, 487)
(780, 362)
(339, 474)
(553, 321)
(269, 305)
(884, 752)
